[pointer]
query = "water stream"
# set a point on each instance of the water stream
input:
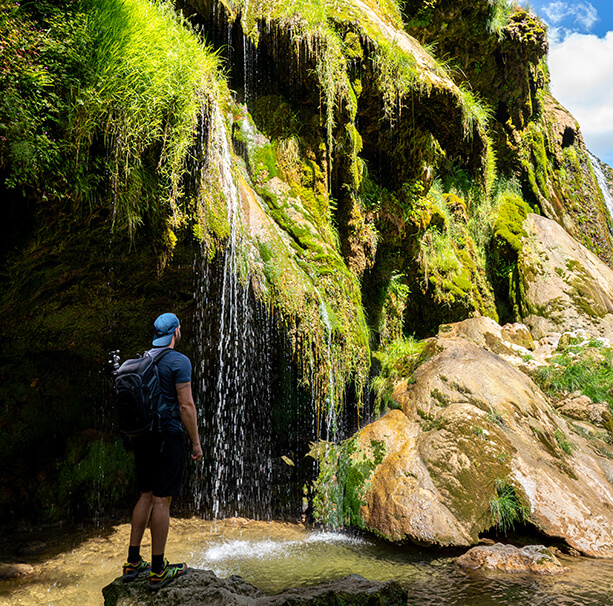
(603, 183)
(273, 556)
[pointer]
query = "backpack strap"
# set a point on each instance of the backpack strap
(159, 356)
(174, 413)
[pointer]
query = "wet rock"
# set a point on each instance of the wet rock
(203, 587)
(14, 571)
(565, 287)
(535, 559)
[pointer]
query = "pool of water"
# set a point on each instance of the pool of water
(274, 555)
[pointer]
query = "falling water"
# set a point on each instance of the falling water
(602, 182)
(234, 361)
(328, 433)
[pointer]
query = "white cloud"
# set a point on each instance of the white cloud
(581, 68)
(582, 15)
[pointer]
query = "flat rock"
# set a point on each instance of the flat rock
(204, 588)
(534, 559)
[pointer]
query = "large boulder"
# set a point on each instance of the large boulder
(564, 286)
(473, 431)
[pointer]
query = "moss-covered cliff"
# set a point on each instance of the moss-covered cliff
(362, 186)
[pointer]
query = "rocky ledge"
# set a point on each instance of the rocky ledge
(203, 587)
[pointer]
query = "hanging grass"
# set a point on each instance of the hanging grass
(398, 361)
(151, 77)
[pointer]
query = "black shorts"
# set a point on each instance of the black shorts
(159, 463)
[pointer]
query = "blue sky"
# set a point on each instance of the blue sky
(580, 37)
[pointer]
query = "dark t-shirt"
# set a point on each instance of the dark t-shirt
(173, 368)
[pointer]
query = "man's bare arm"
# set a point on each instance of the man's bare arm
(187, 408)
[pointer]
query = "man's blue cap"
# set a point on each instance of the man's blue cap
(164, 327)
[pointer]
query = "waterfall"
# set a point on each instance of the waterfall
(603, 183)
(328, 433)
(230, 332)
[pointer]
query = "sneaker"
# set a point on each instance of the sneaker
(131, 571)
(169, 572)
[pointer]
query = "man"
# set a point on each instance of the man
(160, 459)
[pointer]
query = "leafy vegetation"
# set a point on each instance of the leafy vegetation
(398, 361)
(345, 471)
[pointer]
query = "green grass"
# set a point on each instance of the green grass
(398, 361)
(588, 370)
(505, 507)
(563, 441)
(151, 78)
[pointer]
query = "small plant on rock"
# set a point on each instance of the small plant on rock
(506, 508)
(563, 441)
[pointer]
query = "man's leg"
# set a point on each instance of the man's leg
(160, 523)
(140, 518)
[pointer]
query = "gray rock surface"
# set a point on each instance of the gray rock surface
(204, 588)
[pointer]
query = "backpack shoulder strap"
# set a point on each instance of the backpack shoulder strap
(159, 356)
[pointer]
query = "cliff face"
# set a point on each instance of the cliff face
(358, 185)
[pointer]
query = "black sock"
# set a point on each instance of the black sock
(134, 554)
(157, 563)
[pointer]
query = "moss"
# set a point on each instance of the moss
(344, 480)
(468, 492)
(450, 260)
(511, 211)
(94, 477)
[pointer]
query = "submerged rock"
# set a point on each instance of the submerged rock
(14, 571)
(203, 587)
(535, 559)
(477, 445)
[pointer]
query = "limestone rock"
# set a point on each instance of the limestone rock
(204, 588)
(564, 286)
(473, 421)
(518, 334)
(512, 341)
(535, 559)
(582, 408)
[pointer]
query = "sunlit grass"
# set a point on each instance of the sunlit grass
(505, 507)
(587, 369)
(398, 361)
(151, 78)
